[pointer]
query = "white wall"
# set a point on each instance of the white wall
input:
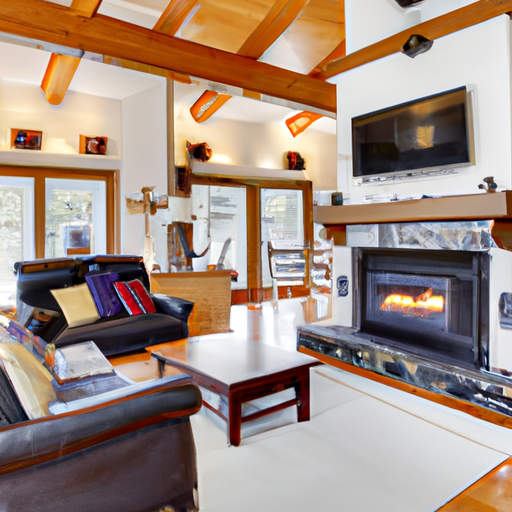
(370, 21)
(259, 145)
(478, 57)
(144, 165)
(25, 106)
(136, 128)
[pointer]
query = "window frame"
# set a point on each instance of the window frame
(40, 174)
(255, 291)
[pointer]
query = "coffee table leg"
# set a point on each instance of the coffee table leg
(302, 394)
(234, 420)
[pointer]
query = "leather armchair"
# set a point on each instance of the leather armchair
(38, 310)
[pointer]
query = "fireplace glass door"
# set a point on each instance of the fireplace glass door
(424, 302)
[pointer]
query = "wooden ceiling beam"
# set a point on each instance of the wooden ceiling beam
(100, 34)
(87, 8)
(472, 14)
(280, 16)
(299, 122)
(171, 20)
(338, 53)
(62, 68)
(57, 78)
(145, 68)
(175, 15)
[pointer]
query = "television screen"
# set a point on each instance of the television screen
(428, 133)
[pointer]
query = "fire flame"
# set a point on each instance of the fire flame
(422, 305)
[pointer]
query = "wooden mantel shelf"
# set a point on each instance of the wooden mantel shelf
(488, 206)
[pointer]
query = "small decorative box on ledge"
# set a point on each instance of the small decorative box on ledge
(93, 144)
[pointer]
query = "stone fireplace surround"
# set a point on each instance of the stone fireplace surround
(483, 390)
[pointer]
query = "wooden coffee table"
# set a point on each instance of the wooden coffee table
(242, 371)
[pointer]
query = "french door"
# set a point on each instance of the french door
(48, 213)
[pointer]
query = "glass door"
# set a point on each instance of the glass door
(16, 231)
(75, 217)
(282, 225)
(54, 213)
(221, 223)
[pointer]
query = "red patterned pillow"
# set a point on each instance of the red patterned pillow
(134, 297)
(142, 296)
(125, 295)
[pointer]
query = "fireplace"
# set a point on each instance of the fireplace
(422, 299)
(433, 304)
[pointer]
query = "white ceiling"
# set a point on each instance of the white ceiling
(22, 64)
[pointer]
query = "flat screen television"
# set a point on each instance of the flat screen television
(434, 132)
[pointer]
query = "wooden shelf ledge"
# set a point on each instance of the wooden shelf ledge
(484, 206)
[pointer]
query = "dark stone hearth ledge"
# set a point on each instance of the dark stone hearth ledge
(343, 346)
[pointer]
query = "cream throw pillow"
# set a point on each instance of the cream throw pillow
(77, 304)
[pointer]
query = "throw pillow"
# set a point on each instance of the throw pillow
(134, 297)
(105, 297)
(125, 294)
(142, 296)
(77, 304)
(29, 378)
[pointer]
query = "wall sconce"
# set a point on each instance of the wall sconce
(415, 45)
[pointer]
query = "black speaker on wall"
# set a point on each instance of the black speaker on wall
(415, 45)
(407, 3)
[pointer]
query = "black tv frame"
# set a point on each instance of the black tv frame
(398, 141)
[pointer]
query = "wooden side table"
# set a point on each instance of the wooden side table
(210, 291)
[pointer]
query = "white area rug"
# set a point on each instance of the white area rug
(367, 448)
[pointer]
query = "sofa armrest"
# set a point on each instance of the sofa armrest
(28, 443)
(173, 306)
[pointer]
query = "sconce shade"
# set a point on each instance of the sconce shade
(415, 45)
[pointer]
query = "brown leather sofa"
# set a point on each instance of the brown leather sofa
(130, 449)
(37, 309)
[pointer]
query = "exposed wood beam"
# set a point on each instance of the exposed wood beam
(100, 34)
(169, 23)
(58, 76)
(299, 122)
(61, 68)
(175, 15)
(281, 15)
(207, 104)
(146, 68)
(87, 8)
(453, 21)
(338, 53)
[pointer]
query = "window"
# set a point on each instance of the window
(282, 223)
(48, 213)
(251, 212)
